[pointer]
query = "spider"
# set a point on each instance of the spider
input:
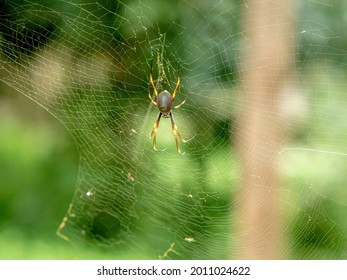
(164, 103)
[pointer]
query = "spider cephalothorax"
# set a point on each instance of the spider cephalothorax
(164, 102)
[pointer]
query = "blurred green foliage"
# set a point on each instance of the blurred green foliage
(39, 162)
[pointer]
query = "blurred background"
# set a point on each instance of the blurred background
(78, 175)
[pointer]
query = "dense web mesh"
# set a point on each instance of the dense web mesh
(88, 64)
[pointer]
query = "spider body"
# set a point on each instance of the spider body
(164, 102)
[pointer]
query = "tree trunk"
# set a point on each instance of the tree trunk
(267, 62)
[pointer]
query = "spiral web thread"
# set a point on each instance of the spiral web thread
(88, 65)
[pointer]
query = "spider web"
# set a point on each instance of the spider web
(88, 63)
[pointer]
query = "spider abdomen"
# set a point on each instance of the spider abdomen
(164, 102)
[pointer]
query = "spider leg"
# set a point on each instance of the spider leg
(178, 83)
(154, 132)
(176, 133)
(150, 97)
(184, 101)
(152, 82)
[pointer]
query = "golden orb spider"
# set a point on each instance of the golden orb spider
(164, 102)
